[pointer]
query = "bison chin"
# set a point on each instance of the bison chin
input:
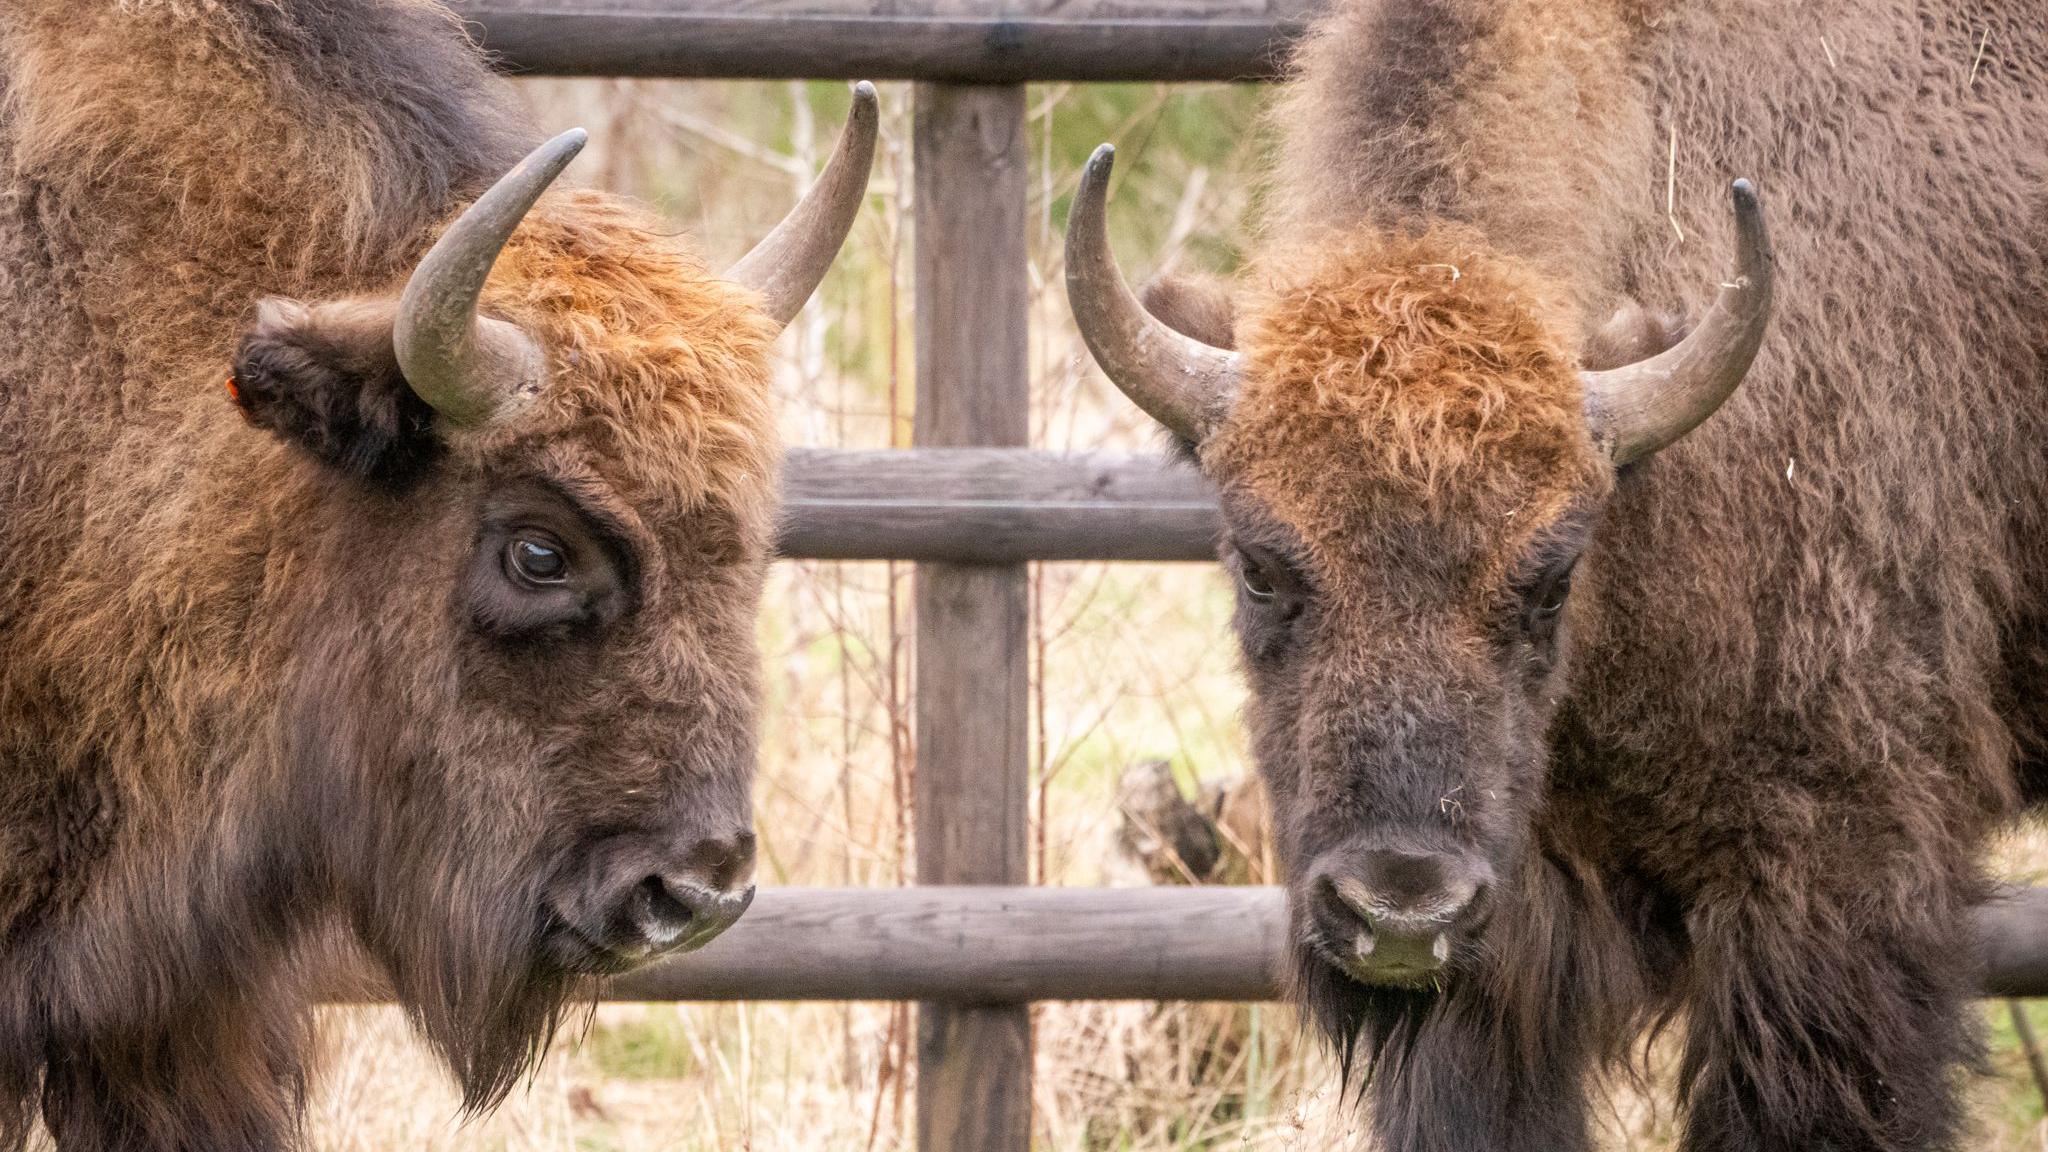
(1368, 1023)
(482, 981)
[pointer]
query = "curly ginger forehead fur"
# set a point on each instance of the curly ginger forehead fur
(660, 367)
(1407, 379)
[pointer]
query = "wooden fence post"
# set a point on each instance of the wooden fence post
(973, 389)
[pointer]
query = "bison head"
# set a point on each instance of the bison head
(528, 500)
(1411, 464)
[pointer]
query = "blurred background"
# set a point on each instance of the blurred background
(1132, 664)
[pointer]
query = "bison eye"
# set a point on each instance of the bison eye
(536, 560)
(1551, 602)
(1257, 584)
(1268, 579)
(1545, 603)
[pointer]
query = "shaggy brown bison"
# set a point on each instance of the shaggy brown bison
(439, 636)
(1592, 692)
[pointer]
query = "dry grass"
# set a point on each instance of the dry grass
(1132, 663)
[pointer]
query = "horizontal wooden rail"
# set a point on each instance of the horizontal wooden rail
(978, 945)
(1161, 40)
(993, 506)
(983, 945)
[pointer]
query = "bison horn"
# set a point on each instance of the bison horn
(1181, 382)
(1641, 407)
(786, 266)
(466, 366)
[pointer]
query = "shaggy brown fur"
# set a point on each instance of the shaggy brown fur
(259, 683)
(1744, 779)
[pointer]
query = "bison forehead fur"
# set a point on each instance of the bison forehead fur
(1406, 379)
(257, 701)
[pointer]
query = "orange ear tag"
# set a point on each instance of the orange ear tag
(235, 394)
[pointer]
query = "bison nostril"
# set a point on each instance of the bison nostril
(662, 902)
(669, 909)
(664, 912)
(1357, 898)
(1346, 910)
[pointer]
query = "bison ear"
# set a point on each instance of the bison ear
(1201, 307)
(324, 377)
(1632, 334)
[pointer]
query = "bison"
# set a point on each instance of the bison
(431, 631)
(1593, 693)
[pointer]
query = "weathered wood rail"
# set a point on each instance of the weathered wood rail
(994, 506)
(992, 945)
(1159, 40)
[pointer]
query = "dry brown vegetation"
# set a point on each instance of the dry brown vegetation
(1131, 662)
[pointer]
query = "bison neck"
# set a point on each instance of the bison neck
(1528, 120)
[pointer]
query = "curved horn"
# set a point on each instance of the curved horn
(1180, 382)
(465, 365)
(786, 266)
(1644, 406)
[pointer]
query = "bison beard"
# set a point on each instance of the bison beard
(487, 995)
(214, 1060)
(454, 923)
(179, 1020)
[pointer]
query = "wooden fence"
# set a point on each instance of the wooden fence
(971, 505)
(951, 41)
(995, 945)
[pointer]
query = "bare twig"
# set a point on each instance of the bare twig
(1671, 184)
(735, 143)
(1187, 215)
(2024, 1029)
